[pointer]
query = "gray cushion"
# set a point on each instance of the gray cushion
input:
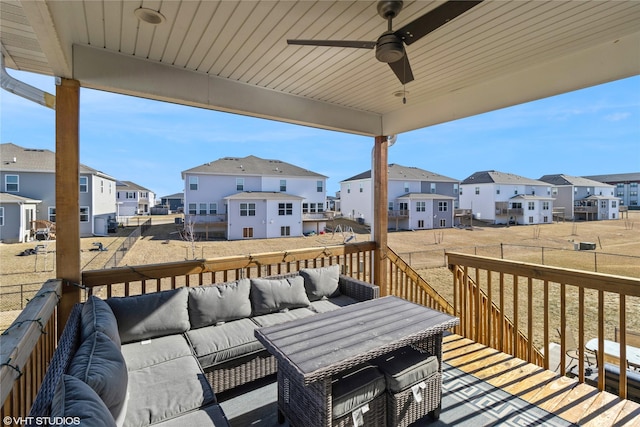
(218, 344)
(284, 316)
(99, 363)
(324, 305)
(209, 305)
(271, 295)
(73, 398)
(166, 390)
(355, 387)
(321, 282)
(211, 416)
(151, 315)
(405, 367)
(142, 354)
(97, 316)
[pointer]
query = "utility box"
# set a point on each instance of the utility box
(587, 246)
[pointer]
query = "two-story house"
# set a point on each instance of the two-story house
(505, 198)
(417, 199)
(30, 173)
(626, 187)
(133, 199)
(583, 198)
(250, 197)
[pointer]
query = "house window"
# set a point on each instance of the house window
(545, 219)
(84, 214)
(421, 223)
(283, 185)
(545, 206)
(247, 232)
(312, 207)
(102, 186)
(443, 222)
(404, 206)
(515, 191)
(319, 186)
(348, 188)
(305, 208)
(530, 220)
(406, 187)
(603, 204)
(11, 183)
(614, 204)
(213, 208)
(287, 208)
(516, 205)
(203, 209)
(52, 214)
(421, 206)
(109, 188)
(193, 208)
(633, 185)
(361, 187)
(531, 206)
(84, 184)
(248, 209)
(477, 190)
(433, 188)
(193, 183)
(240, 184)
(285, 231)
(455, 189)
(497, 190)
(443, 206)
(131, 195)
(390, 206)
(320, 207)
(1, 216)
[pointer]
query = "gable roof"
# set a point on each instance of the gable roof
(425, 196)
(128, 185)
(406, 173)
(262, 195)
(251, 166)
(14, 158)
(495, 177)
(577, 181)
(616, 177)
(14, 198)
(174, 196)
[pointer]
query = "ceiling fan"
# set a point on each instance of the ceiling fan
(390, 45)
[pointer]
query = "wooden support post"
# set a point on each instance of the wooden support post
(67, 195)
(380, 213)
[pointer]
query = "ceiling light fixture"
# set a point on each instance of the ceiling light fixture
(149, 16)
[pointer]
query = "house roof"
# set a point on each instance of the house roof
(234, 57)
(576, 181)
(495, 177)
(616, 177)
(531, 197)
(251, 166)
(174, 196)
(600, 197)
(406, 173)
(13, 198)
(128, 185)
(425, 196)
(262, 195)
(14, 158)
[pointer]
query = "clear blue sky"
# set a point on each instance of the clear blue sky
(587, 132)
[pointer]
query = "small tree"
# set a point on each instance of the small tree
(188, 234)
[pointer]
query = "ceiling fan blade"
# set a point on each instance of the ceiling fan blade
(434, 19)
(402, 69)
(335, 43)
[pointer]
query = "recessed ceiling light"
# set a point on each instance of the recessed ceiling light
(149, 16)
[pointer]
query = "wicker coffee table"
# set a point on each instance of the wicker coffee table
(310, 350)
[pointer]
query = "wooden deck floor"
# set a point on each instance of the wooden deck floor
(565, 397)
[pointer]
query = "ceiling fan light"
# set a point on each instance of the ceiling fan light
(149, 16)
(389, 48)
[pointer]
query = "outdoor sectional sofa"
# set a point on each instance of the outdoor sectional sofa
(160, 358)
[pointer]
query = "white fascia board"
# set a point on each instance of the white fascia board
(592, 66)
(114, 72)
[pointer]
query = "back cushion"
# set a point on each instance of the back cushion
(271, 295)
(213, 304)
(97, 316)
(151, 315)
(321, 282)
(73, 398)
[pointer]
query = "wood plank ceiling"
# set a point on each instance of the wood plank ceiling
(493, 56)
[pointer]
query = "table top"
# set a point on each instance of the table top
(320, 345)
(612, 348)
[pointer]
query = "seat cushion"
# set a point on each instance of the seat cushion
(166, 390)
(272, 295)
(281, 317)
(96, 315)
(405, 367)
(324, 305)
(213, 304)
(218, 344)
(211, 416)
(321, 282)
(355, 387)
(99, 363)
(141, 354)
(73, 398)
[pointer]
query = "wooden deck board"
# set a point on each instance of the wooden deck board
(565, 397)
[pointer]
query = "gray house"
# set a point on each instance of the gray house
(626, 187)
(30, 173)
(173, 202)
(582, 198)
(16, 214)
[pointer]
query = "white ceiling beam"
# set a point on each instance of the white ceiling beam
(114, 72)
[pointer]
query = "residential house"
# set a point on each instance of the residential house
(417, 199)
(626, 187)
(583, 198)
(505, 198)
(30, 173)
(133, 199)
(173, 202)
(16, 214)
(250, 197)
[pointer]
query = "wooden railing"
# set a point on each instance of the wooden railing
(26, 348)
(514, 307)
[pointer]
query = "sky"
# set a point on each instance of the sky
(592, 131)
